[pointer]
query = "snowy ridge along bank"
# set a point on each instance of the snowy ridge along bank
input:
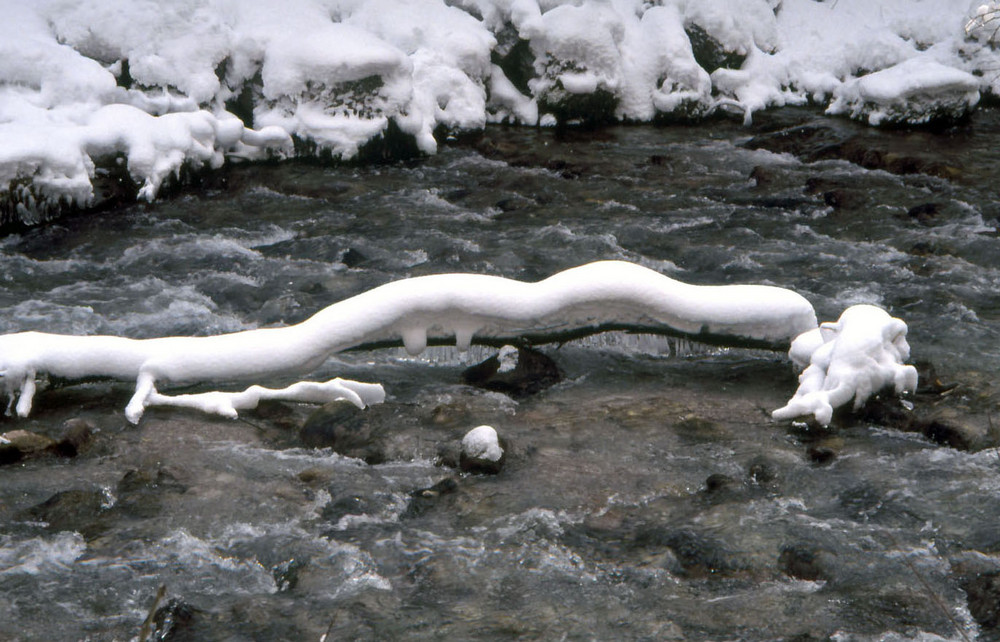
(144, 90)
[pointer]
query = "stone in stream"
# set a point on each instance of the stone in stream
(517, 372)
(983, 593)
(83, 511)
(424, 499)
(806, 562)
(29, 443)
(482, 451)
(141, 490)
(336, 509)
(175, 621)
(77, 438)
(9, 454)
(341, 426)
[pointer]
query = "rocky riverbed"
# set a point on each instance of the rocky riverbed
(645, 492)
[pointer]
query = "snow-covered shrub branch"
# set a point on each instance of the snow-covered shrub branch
(853, 358)
(467, 307)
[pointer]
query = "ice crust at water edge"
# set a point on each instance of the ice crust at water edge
(159, 83)
(850, 359)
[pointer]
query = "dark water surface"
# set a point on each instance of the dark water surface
(647, 496)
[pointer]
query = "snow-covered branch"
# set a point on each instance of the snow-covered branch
(468, 307)
(855, 357)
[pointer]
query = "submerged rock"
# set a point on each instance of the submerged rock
(175, 620)
(517, 372)
(82, 511)
(424, 499)
(141, 490)
(806, 562)
(482, 451)
(983, 593)
(78, 437)
(16, 445)
(342, 427)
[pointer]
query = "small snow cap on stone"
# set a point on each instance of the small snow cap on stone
(482, 442)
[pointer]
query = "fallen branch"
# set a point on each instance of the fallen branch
(417, 311)
(853, 358)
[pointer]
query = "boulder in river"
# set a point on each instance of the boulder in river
(482, 451)
(515, 371)
(342, 426)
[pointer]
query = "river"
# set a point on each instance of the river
(648, 496)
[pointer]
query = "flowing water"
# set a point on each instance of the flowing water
(647, 496)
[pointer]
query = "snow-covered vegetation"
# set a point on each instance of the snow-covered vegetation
(148, 88)
(852, 359)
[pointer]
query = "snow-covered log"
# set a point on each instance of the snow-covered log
(469, 307)
(857, 356)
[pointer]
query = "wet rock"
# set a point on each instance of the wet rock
(925, 213)
(939, 428)
(806, 562)
(697, 428)
(517, 372)
(700, 555)
(821, 140)
(762, 472)
(342, 427)
(9, 454)
(314, 476)
(449, 455)
(424, 499)
(175, 621)
(983, 593)
(141, 491)
(709, 53)
(821, 455)
(29, 443)
(843, 199)
(589, 110)
(77, 438)
(335, 509)
(718, 482)
(762, 175)
(482, 452)
(352, 258)
(810, 141)
(82, 511)
(286, 574)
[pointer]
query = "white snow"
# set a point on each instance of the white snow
(482, 442)
(460, 305)
(913, 91)
(337, 73)
(854, 358)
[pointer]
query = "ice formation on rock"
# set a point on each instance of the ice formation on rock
(853, 358)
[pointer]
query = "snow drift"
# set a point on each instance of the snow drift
(159, 86)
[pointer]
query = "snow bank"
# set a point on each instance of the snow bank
(160, 83)
(852, 359)
(575, 302)
(915, 91)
